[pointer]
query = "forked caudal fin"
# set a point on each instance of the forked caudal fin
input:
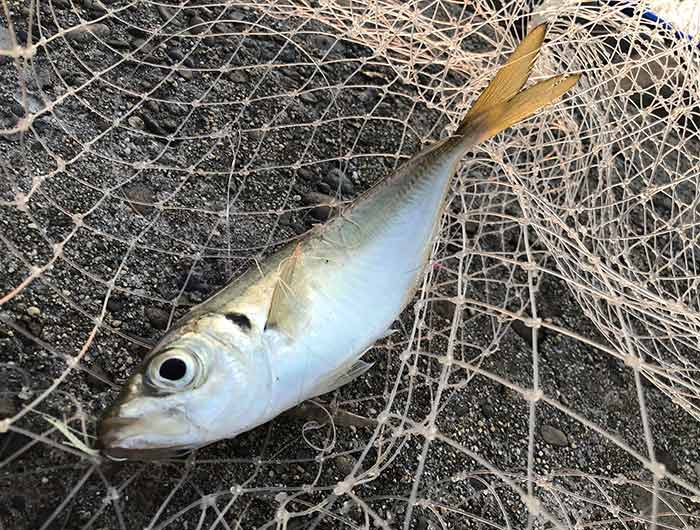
(503, 103)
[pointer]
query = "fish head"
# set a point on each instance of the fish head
(197, 386)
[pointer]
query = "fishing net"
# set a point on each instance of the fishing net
(545, 376)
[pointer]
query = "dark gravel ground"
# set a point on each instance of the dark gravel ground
(157, 202)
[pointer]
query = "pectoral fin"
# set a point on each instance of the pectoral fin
(335, 382)
(285, 304)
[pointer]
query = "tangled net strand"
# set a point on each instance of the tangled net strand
(545, 376)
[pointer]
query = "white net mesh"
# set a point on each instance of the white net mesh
(545, 376)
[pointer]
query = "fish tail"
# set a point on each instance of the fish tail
(503, 103)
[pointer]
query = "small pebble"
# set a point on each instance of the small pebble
(196, 283)
(115, 304)
(422, 524)
(96, 375)
(339, 182)
(323, 211)
(165, 13)
(140, 44)
(35, 328)
(120, 44)
(85, 33)
(285, 219)
(93, 5)
(152, 125)
(174, 54)
(21, 36)
(471, 227)
(345, 464)
(487, 410)
(554, 436)
(158, 318)
(136, 122)
(17, 109)
(238, 76)
(667, 460)
(462, 408)
(444, 308)
(197, 26)
(153, 105)
(306, 174)
(33, 311)
(169, 125)
(141, 196)
(7, 408)
(308, 97)
(614, 400)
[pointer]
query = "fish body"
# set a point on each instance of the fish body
(296, 327)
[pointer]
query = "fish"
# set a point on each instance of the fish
(296, 326)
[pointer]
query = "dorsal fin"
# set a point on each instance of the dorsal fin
(282, 302)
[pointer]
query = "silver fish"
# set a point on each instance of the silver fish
(296, 327)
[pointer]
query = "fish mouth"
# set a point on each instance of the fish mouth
(116, 441)
(161, 453)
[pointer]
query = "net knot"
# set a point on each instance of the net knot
(446, 360)
(533, 395)
(619, 480)
(21, 201)
(282, 515)
(535, 323)
(342, 488)
(430, 432)
(112, 495)
(658, 469)
(632, 361)
(459, 300)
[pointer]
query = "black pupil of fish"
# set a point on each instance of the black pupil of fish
(173, 369)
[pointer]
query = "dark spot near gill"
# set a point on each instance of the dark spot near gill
(239, 319)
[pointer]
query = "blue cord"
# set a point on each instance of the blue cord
(650, 16)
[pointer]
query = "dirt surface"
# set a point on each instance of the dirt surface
(162, 174)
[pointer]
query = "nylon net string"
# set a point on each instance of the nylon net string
(545, 376)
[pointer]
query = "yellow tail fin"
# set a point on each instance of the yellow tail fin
(503, 103)
(513, 75)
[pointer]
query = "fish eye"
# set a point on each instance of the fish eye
(173, 370)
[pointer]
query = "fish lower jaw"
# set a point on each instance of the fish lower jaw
(118, 453)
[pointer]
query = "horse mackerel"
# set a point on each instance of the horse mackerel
(296, 326)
